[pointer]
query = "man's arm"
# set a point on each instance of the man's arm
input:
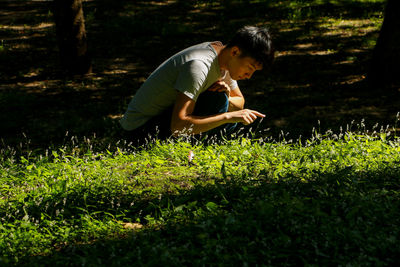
(183, 121)
(236, 100)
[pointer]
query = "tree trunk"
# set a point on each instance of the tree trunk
(385, 71)
(71, 36)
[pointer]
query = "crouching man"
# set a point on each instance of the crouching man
(195, 91)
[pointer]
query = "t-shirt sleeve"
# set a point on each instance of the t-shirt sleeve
(231, 82)
(191, 78)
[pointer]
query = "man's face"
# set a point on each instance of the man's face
(240, 67)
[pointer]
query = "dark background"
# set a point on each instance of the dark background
(318, 81)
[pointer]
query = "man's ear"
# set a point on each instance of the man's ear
(235, 51)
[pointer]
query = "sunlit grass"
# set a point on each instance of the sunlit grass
(77, 195)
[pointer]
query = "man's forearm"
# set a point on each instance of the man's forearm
(183, 122)
(199, 124)
(236, 103)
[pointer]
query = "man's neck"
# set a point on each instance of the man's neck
(223, 56)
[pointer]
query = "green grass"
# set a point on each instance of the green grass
(329, 200)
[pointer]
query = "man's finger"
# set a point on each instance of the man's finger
(253, 116)
(258, 114)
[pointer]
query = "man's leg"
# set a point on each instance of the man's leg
(210, 103)
(157, 127)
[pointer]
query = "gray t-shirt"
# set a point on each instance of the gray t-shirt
(190, 72)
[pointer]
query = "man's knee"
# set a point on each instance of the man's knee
(210, 103)
(222, 99)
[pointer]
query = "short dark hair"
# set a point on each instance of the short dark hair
(254, 42)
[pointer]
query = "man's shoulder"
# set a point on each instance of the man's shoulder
(197, 47)
(199, 57)
(203, 51)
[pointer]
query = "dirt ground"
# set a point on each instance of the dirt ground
(318, 80)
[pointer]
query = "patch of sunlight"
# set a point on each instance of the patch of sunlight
(354, 50)
(161, 3)
(112, 72)
(350, 27)
(296, 86)
(37, 87)
(291, 29)
(31, 74)
(302, 53)
(40, 26)
(344, 62)
(36, 84)
(114, 116)
(306, 46)
(351, 79)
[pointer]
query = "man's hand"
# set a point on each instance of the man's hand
(220, 86)
(245, 116)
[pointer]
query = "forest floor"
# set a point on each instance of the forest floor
(318, 80)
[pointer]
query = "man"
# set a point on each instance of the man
(195, 91)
